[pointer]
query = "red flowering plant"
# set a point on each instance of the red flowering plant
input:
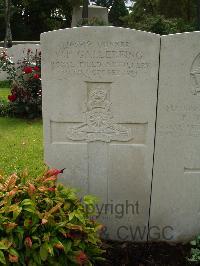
(45, 223)
(25, 79)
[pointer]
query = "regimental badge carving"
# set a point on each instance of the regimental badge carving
(99, 124)
(195, 76)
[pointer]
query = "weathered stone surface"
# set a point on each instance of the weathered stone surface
(19, 51)
(98, 12)
(176, 182)
(99, 108)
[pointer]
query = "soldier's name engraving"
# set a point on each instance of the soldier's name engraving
(98, 59)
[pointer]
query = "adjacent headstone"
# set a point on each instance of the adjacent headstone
(175, 205)
(3, 74)
(99, 108)
(18, 52)
(99, 12)
(20, 42)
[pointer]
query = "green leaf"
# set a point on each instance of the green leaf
(82, 245)
(13, 252)
(46, 236)
(99, 259)
(67, 246)
(29, 209)
(5, 244)
(37, 258)
(36, 238)
(60, 225)
(2, 258)
(27, 202)
(2, 245)
(33, 229)
(44, 251)
(80, 217)
(27, 222)
(51, 251)
(32, 263)
(193, 243)
(20, 234)
(90, 200)
(35, 246)
(71, 216)
(17, 212)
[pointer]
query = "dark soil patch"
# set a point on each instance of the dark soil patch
(133, 254)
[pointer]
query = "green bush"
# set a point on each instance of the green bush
(117, 11)
(157, 24)
(4, 84)
(5, 108)
(92, 22)
(195, 251)
(42, 223)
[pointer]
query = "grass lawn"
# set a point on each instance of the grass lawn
(4, 93)
(21, 146)
(4, 90)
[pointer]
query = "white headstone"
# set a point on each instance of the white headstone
(99, 108)
(19, 51)
(98, 12)
(176, 183)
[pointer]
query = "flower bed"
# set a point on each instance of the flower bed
(25, 99)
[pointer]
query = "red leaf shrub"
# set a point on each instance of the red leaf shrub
(42, 223)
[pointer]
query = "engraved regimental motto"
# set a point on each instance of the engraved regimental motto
(195, 76)
(99, 124)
